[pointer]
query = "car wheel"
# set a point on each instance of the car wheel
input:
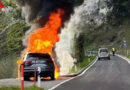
(52, 76)
(98, 58)
(109, 58)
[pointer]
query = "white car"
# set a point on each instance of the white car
(103, 53)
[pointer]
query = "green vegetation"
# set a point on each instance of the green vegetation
(15, 40)
(12, 31)
(79, 48)
(8, 66)
(18, 88)
(121, 8)
(128, 56)
(81, 65)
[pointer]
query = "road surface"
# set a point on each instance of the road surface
(46, 84)
(111, 74)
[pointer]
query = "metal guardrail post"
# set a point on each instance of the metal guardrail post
(22, 76)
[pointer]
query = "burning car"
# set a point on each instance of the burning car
(34, 60)
(39, 51)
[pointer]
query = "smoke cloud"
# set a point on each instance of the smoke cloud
(37, 11)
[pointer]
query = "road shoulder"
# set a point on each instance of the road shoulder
(124, 58)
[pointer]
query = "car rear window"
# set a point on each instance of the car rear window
(37, 56)
(103, 50)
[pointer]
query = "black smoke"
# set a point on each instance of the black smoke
(39, 10)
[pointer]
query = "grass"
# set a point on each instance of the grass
(86, 61)
(128, 56)
(18, 88)
(8, 66)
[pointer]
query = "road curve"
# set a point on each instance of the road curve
(111, 74)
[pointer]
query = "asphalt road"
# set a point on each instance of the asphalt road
(46, 84)
(111, 74)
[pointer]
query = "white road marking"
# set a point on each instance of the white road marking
(125, 58)
(75, 76)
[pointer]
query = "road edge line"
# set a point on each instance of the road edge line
(125, 58)
(75, 76)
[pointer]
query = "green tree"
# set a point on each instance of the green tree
(15, 36)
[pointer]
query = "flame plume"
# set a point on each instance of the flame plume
(44, 39)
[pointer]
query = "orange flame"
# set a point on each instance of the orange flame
(44, 39)
(57, 70)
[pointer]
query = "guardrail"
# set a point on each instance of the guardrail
(91, 53)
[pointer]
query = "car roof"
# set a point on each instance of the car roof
(102, 48)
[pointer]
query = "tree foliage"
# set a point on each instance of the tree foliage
(121, 8)
(12, 29)
(14, 37)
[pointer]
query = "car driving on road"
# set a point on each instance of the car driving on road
(103, 53)
(34, 60)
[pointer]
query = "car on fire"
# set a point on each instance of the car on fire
(34, 60)
(103, 53)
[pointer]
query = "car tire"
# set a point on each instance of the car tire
(52, 76)
(109, 58)
(98, 58)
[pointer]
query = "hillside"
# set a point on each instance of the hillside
(112, 31)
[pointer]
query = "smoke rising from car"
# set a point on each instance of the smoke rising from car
(35, 10)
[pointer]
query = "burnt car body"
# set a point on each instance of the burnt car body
(34, 60)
